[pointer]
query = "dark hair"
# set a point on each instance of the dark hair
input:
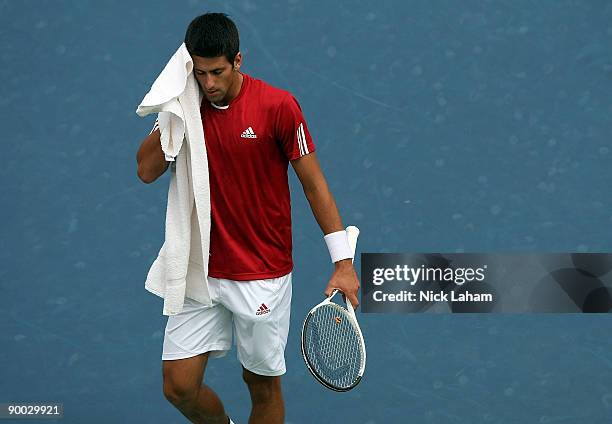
(213, 35)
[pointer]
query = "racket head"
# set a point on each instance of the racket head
(333, 347)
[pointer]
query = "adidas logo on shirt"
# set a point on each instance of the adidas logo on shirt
(263, 309)
(248, 133)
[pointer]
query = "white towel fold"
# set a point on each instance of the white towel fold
(181, 268)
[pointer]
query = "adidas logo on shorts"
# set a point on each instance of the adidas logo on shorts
(263, 309)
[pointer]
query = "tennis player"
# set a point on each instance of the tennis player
(252, 131)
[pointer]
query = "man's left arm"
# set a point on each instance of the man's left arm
(326, 213)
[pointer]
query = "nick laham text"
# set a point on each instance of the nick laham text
(431, 296)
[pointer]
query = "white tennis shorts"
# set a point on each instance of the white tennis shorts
(258, 311)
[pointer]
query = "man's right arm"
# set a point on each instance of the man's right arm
(151, 159)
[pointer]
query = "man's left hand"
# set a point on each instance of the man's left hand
(344, 279)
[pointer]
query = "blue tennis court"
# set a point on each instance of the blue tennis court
(441, 127)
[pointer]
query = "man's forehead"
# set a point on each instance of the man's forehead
(209, 63)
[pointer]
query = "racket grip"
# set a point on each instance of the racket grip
(352, 233)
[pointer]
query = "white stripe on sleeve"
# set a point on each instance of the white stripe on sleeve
(299, 137)
(155, 126)
(301, 128)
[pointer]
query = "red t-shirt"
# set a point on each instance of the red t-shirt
(249, 146)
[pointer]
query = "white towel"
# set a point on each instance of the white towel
(181, 267)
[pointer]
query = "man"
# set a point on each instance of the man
(252, 131)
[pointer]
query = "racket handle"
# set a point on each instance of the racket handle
(352, 233)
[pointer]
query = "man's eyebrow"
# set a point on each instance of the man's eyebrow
(212, 70)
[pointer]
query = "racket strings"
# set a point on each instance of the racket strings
(333, 346)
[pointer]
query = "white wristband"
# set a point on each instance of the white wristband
(338, 246)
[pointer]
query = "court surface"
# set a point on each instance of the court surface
(441, 126)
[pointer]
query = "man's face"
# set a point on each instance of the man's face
(216, 76)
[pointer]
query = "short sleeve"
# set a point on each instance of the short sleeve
(291, 130)
(156, 127)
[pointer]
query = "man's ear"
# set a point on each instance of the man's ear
(237, 61)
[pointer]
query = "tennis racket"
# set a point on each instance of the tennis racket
(332, 344)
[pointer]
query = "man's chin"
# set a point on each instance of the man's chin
(215, 98)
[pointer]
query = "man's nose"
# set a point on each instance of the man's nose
(209, 83)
